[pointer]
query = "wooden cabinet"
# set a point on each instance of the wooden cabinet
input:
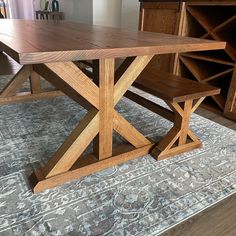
(163, 18)
(202, 19)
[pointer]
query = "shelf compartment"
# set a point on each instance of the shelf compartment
(220, 26)
(225, 24)
(200, 70)
(219, 75)
(193, 27)
(222, 82)
(203, 69)
(228, 34)
(209, 21)
(218, 56)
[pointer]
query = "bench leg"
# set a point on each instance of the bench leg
(180, 138)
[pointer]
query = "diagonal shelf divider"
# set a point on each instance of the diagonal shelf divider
(217, 21)
(211, 29)
(199, 76)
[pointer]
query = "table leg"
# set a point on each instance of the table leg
(35, 83)
(106, 94)
(69, 162)
(10, 93)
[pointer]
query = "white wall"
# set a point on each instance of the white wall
(130, 14)
(74, 10)
(22, 9)
(107, 12)
(78, 10)
(115, 13)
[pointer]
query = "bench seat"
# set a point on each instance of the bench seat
(173, 88)
(183, 96)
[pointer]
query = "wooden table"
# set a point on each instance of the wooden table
(49, 49)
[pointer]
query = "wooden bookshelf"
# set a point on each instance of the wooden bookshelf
(202, 19)
(211, 20)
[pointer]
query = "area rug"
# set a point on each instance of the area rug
(141, 197)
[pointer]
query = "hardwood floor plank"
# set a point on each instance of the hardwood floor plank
(218, 220)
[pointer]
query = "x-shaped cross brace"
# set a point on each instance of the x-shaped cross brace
(180, 138)
(68, 162)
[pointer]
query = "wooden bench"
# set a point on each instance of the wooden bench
(183, 96)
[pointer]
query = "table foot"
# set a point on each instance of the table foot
(87, 165)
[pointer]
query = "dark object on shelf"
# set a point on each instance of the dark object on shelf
(55, 6)
(3, 11)
(46, 6)
(49, 15)
(202, 19)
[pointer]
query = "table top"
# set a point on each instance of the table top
(33, 42)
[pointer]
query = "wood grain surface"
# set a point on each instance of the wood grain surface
(33, 42)
(218, 220)
(173, 88)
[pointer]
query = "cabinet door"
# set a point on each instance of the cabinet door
(162, 18)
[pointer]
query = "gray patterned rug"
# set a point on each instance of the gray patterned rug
(140, 197)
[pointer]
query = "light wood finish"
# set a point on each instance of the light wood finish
(122, 67)
(106, 96)
(16, 82)
(167, 114)
(42, 44)
(130, 76)
(56, 80)
(180, 138)
(173, 88)
(35, 83)
(101, 119)
(10, 94)
(126, 130)
(203, 19)
(183, 97)
(53, 60)
(77, 80)
(69, 152)
(13, 67)
(28, 96)
(122, 155)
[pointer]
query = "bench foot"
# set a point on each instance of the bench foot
(166, 148)
(180, 138)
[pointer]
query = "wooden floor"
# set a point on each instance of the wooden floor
(216, 118)
(218, 220)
